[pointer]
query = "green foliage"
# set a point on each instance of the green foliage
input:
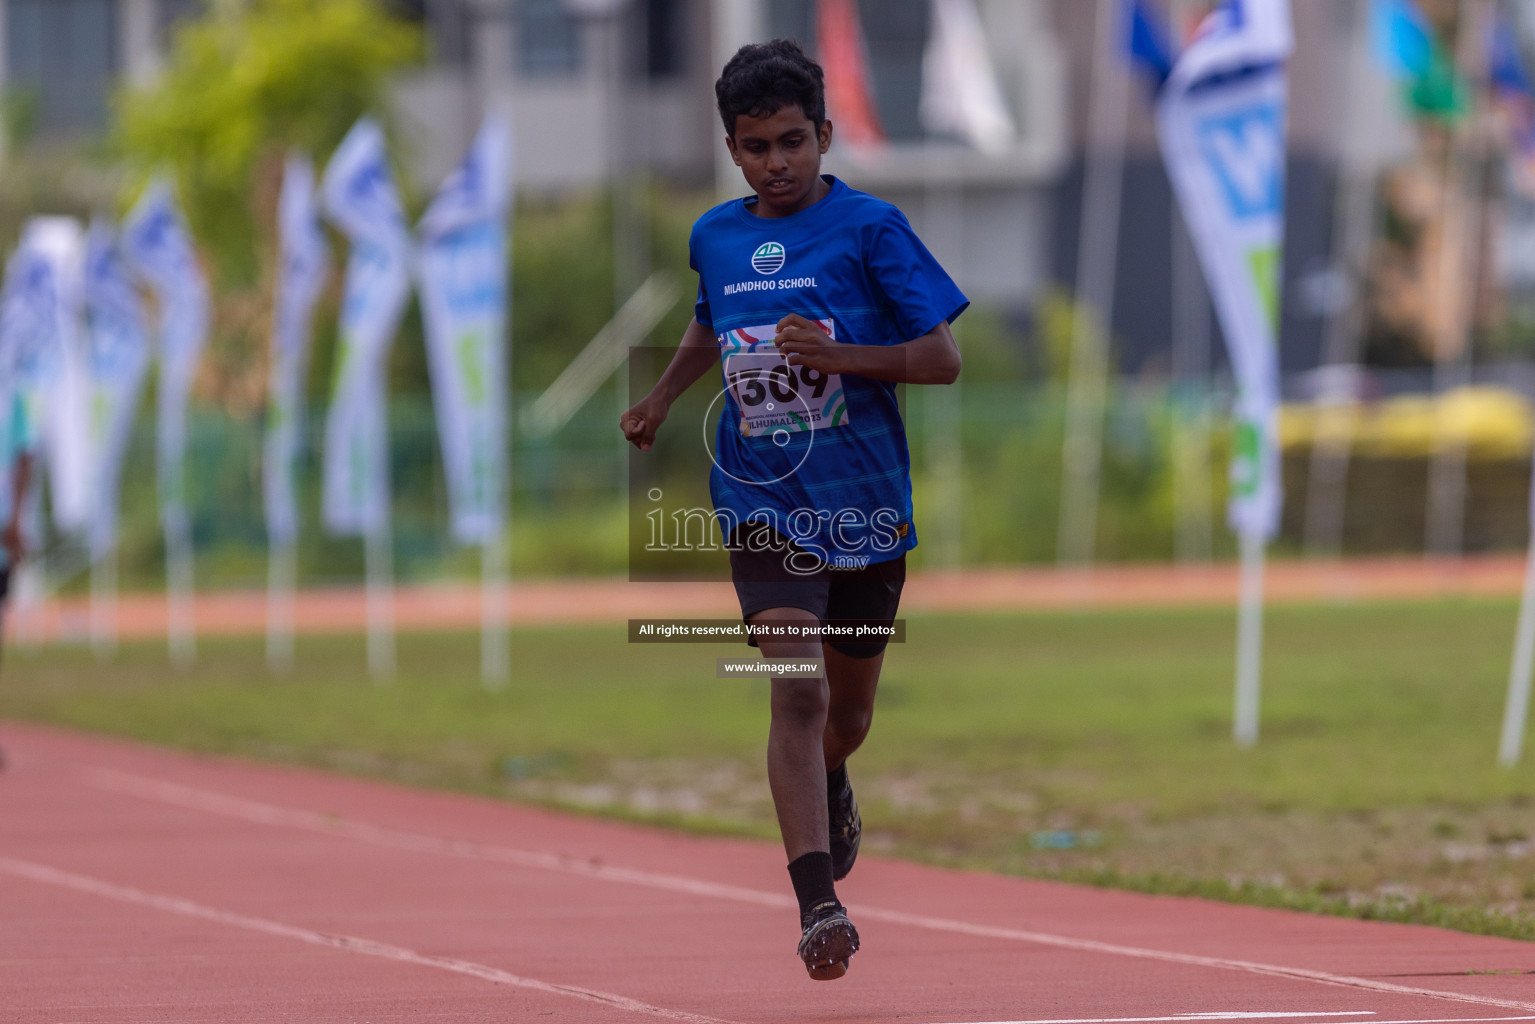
(245, 83)
(19, 110)
(989, 350)
(562, 274)
(1056, 317)
(1013, 434)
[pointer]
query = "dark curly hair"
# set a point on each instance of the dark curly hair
(763, 78)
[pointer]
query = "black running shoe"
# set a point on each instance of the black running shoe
(845, 828)
(829, 942)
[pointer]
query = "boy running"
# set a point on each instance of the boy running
(819, 299)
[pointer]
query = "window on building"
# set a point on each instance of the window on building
(895, 33)
(548, 38)
(61, 57)
(665, 38)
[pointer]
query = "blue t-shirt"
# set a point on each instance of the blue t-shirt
(832, 472)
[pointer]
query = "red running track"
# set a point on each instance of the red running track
(138, 884)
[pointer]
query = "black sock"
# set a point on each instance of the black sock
(811, 875)
(836, 779)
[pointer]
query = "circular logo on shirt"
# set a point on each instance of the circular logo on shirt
(768, 259)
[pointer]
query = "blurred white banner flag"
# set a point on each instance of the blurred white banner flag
(116, 359)
(960, 95)
(360, 197)
(40, 338)
(159, 247)
(304, 258)
(463, 280)
(1221, 120)
(25, 303)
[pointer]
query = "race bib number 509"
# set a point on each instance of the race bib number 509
(771, 394)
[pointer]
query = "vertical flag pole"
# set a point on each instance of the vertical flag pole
(1193, 539)
(1353, 228)
(943, 445)
(103, 610)
(157, 242)
(359, 195)
(378, 554)
(463, 261)
(495, 566)
(495, 639)
(378, 550)
(302, 265)
(1103, 186)
(181, 623)
(495, 602)
(118, 361)
(1238, 227)
(1249, 639)
(1516, 710)
(282, 572)
(1451, 337)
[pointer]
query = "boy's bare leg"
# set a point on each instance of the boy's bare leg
(852, 682)
(796, 762)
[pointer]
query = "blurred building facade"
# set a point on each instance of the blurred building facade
(606, 90)
(601, 89)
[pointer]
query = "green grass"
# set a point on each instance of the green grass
(1374, 789)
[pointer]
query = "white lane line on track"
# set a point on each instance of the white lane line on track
(365, 947)
(1211, 1016)
(266, 814)
(1252, 1016)
(1217, 1015)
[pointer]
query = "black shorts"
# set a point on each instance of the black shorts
(759, 568)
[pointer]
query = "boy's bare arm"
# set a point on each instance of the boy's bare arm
(698, 352)
(932, 358)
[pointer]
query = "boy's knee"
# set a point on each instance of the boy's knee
(800, 701)
(850, 725)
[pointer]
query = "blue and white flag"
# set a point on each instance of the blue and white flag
(25, 300)
(302, 251)
(46, 331)
(463, 285)
(27, 305)
(360, 197)
(35, 310)
(117, 358)
(1149, 43)
(1513, 91)
(1221, 120)
(960, 94)
(159, 248)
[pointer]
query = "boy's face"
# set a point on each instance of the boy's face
(780, 156)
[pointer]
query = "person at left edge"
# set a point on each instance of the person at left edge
(18, 441)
